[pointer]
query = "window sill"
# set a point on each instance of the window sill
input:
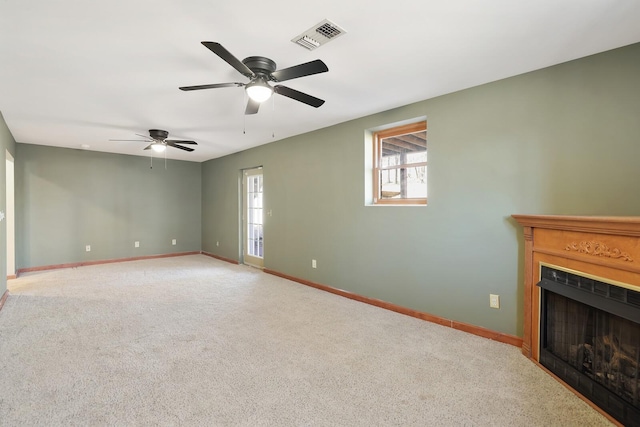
(404, 205)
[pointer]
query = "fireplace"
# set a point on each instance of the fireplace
(582, 307)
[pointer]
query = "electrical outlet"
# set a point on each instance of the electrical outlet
(87, 248)
(136, 244)
(314, 264)
(494, 301)
(173, 242)
(217, 243)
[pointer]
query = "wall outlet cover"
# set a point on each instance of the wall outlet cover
(494, 301)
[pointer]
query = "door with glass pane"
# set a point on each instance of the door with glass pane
(253, 241)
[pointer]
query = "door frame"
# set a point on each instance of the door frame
(10, 216)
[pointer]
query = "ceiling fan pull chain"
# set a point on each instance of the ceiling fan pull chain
(244, 116)
(273, 116)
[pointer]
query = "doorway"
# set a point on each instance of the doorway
(252, 217)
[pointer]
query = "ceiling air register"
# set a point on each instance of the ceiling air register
(318, 35)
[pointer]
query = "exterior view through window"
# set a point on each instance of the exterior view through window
(400, 165)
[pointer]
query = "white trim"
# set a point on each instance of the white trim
(10, 215)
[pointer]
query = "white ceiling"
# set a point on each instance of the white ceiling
(78, 72)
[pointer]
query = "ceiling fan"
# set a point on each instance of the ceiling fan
(261, 71)
(159, 142)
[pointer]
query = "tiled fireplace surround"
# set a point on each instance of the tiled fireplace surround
(605, 249)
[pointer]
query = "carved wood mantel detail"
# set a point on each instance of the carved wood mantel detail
(595, 248)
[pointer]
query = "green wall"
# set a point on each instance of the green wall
(7, 143)
(66, 199)
(562, 140)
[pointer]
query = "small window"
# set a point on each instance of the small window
(400, 165)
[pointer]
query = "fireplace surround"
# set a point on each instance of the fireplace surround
(582, 306)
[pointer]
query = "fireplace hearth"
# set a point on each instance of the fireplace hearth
(590, 338)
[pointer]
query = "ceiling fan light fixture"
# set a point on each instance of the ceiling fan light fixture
(158, 147)
(259, 90)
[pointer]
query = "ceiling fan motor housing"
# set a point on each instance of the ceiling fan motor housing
(260, 64)
(158, 134)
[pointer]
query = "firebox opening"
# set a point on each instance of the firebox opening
(590, 338)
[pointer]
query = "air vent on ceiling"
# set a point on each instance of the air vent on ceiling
(318, 35)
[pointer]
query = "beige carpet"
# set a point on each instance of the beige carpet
(196, 341)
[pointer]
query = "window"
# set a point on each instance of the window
(400, 165)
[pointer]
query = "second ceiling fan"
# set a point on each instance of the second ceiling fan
(158, 141)
(261, 71)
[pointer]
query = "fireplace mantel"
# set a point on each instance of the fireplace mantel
(605, 247)
(616, 225)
